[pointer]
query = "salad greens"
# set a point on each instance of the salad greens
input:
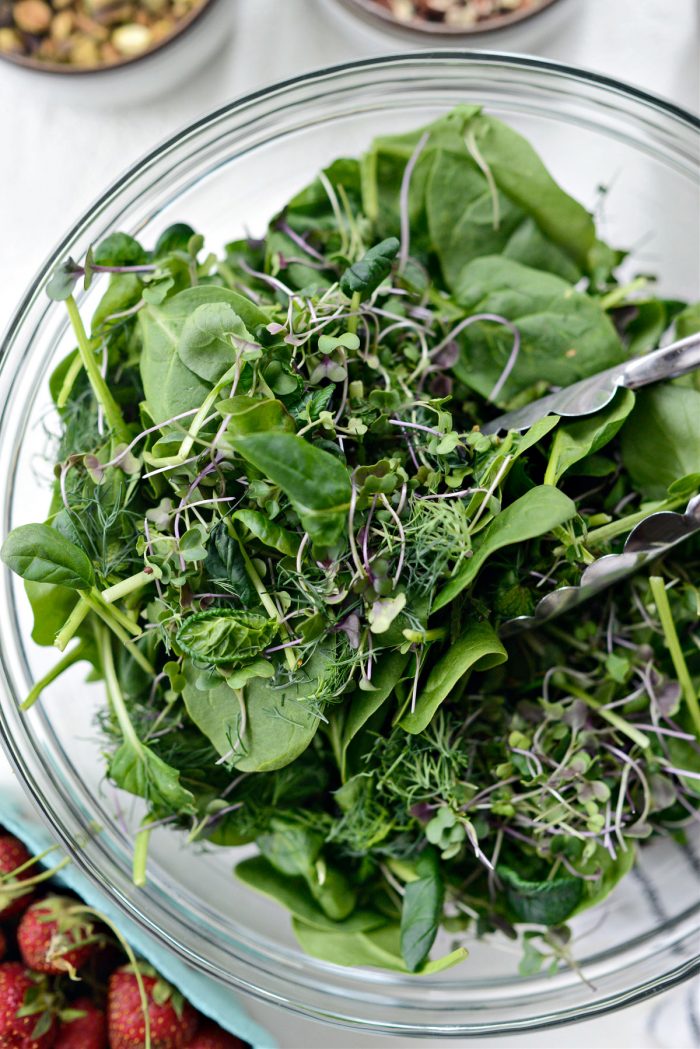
(280, 538)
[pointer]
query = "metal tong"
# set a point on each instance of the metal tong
(596, 392)
(657, 533)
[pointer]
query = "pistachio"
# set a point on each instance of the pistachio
(32, 16)
(62, 25)
(132, 39)
(84, 51)
(10, 42)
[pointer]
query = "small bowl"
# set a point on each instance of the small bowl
(168, 63)
(375, 14)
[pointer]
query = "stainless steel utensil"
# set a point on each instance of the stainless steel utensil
(592, 394)
(653, 536)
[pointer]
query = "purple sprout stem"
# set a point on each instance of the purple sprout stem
(300, 242)
(403, 199)
(287, 644)
(415, 426)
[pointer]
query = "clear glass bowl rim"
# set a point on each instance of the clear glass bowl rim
(275, 992)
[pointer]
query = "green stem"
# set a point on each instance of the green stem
(355, 302)
(114, 691)
(265, 599)
(673, 644)
(100, 388)
(141, 855)
(71, 375)
(119, 632)
(625, 524)
(610, 716)
(619, 295)
(128, 586)
(72, 624)
(550, 474)
(63, 664)
(116, 614)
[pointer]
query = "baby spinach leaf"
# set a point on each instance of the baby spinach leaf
(688, 321)
(169, 385)
(542, 902)
(564, 335)
(478, 648)
(533, 514)
(421, 912)
(51, 606)
(289, 847)
(365, 275)
(119, 249)
(39, 553)
(225, 636)
(316, 483)
(175, 238)
(123, 292)
(268, 532)
(529, 245)
(661, 438)
(140, 771)
(294, 894)
(378, 948)
(210, 339)
(574, 441)
(256, 415)
(362, 704)
(606, 871)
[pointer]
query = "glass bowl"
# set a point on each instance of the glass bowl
(228, 174)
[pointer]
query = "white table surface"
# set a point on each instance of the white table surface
(55, 158)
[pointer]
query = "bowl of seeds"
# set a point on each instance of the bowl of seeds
(446, 18)
(91, 40)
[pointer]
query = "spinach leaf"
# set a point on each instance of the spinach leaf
(606, 871)
(564, 335)
(119, 249)
(41, 554)
(140, 771)
(226, 636)
(294, 894)
(661, 438)
(378, 948)
(542, 902)
(210, 338)
(421, 912)
(256, 415)
(295, 850)
(688, 321)
(316, 483)
(123, 292)
(51, 606)
(268, 532)
(365, 275)
(175, 238)
(478, 648)
(574, 441)
(362, 704)
(278, 724)
(169, 385)
(533, 514)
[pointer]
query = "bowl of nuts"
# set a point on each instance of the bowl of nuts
(92, 43)
(446, 19)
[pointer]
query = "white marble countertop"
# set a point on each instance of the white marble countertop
(56, 157)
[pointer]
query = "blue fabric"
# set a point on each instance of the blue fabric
(205, 994)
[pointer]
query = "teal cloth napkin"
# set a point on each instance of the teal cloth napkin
(205, 994)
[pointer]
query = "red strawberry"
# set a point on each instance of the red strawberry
(173, 1020)
(211, 1036)
(13, 854)
(22, 993)
(54, 939)
(85, 1032)
(3, 945)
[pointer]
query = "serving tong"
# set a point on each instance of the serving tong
(657, 533)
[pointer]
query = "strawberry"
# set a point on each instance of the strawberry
(88, 1031)
(55, 937)
(211, 1036)
(27, 1011)
(173, 1020)
(13, 854)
